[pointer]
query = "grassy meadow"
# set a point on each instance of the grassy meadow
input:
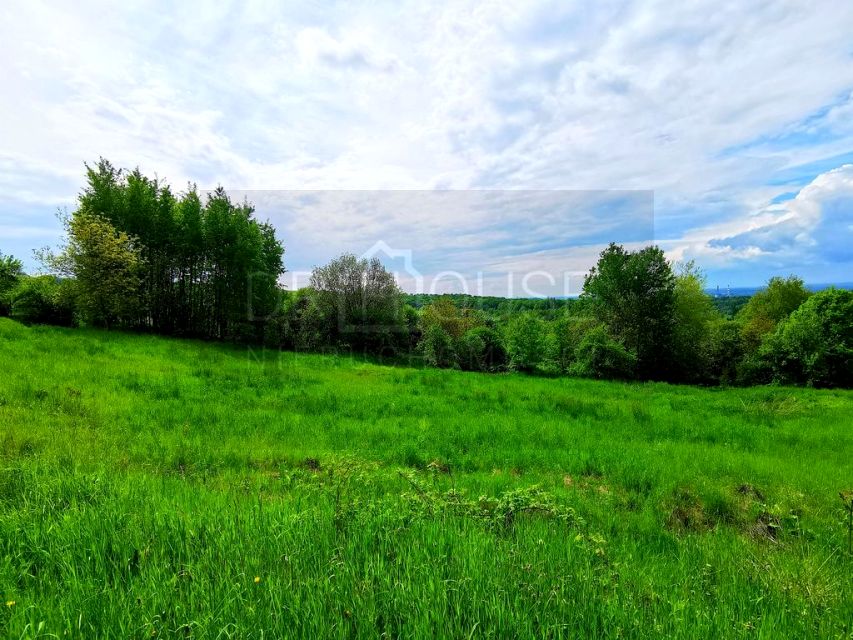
(152, 487)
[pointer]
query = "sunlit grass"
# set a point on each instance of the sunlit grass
(146, 483)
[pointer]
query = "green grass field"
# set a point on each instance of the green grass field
(164, 488)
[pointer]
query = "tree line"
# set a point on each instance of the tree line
(641, 318)
(139, 257)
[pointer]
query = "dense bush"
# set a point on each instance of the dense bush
(297, 325)
(11, 271)
(525, 340)
(470, 350)
(814, 345)
(438, 347)
(481, 349)
(43, 300)
(454, 320)
(694, 316)
(566, 335)
(725, 351)
(600, 356)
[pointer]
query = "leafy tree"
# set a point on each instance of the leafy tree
(767, 308)
(438, 347)
(286, 323)
(568, 332)
(725, 350)
(454, 320)
(106, 266)
(599, 356)
(412, 326)
(815, 344)
(11, 271)
(633, 295)
(190, 261)
(470, 348)
(729, 306)
(525, 340)
(360, 302)
(694, 314)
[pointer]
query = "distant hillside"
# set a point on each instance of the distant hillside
(495, 304)
(727, 301)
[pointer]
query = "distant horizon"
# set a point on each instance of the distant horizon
(735, 291)
(300, 280)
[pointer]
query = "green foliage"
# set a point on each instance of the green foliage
(411, 319)
(725, 350)
(451, 336)
(359, 303)
(567, 334)
(438, 347)
(206, 269)
(43, 300)
(633, 294)
(599, 356)
(814, 345)
(481, 349)
(729, 306)
(454, 320)
(471, 349)
(768, 307)
(141, 257)
(11, 271)
(298, 325)
(106, 266)
(496, 307)
(501, 513)
(694, 317)
(525, 340)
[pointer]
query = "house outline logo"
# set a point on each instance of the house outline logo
(381, 247)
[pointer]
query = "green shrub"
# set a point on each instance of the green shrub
(43, 300)
(525, 341)
(438, 348)
(694, 317)
(568, 332)
(600, 356)
(11, 272)
(725, 350)
(755, 368)
(815, 344)
(481, 349)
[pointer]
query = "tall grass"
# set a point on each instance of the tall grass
(162, 488)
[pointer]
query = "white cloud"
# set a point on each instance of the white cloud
(814, 226)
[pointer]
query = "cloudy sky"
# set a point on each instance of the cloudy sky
(484, 137)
